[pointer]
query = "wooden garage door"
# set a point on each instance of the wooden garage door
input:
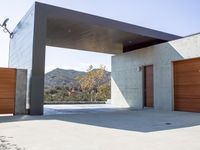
(187, 85)
(7, 90)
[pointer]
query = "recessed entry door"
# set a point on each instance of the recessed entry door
(148, 86)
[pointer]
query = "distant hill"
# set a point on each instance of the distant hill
(62, 77)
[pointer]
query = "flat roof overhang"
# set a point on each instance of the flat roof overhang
(76, 30)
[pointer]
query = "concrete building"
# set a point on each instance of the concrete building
(143, 72)
(175, 83)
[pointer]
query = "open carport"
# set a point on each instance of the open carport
(53, 26)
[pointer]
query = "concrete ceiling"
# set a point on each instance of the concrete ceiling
(76, 30)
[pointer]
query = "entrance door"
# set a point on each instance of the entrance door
(187, 85)
(148, 86)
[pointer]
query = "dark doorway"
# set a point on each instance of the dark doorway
(148, 86)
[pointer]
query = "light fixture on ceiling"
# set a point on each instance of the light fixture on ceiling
(130, 42)
(69, 30)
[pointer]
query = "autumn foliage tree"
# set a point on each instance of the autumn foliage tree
(91, 82)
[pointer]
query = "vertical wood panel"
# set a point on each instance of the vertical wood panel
(7, 90)
(148, 86)
(187, 85)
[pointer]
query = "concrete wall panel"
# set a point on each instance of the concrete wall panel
(21, 87)
(21, 47)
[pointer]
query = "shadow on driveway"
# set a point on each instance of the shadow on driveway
(123, 119)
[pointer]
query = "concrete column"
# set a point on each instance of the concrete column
(21, 87)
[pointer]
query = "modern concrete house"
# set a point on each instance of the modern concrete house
(149, 68)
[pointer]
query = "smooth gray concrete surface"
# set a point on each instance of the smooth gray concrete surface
(21, 48)
(21, 88)
(124, 129)
(127, 72)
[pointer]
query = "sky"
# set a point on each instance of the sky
(180, 17)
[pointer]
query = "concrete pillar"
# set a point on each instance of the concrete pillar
(21, 88)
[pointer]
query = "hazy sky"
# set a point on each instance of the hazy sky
(180, 17)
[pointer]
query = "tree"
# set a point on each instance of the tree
(103, 92)
(91, 81)
(50, 93)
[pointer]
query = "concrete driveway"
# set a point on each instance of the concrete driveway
(78, 108)
(113, 130)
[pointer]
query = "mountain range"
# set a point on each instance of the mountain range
(61, 77)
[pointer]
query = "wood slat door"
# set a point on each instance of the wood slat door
(7, 90)
(148, 86)
(187, 85)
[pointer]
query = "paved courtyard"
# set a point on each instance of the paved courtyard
(111, 129)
